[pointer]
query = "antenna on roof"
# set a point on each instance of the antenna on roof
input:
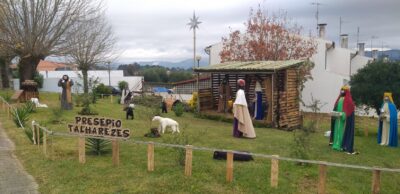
(316, 4)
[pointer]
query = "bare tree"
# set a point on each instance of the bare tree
(35, 29)
(91, 42)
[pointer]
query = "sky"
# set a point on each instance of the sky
(157, 30)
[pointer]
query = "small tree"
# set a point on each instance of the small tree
(370, 82)
(123, 85)
(90, 42)
(35, 29)
(267, 37)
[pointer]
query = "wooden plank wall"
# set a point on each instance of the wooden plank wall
(286, 103)
(205, 99)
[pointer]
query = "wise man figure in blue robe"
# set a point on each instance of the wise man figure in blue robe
(387, 131)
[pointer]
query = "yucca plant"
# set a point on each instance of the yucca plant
(20, 116)
(29, 106)
(97, 146)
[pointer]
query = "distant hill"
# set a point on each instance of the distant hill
(185, 64)
(394, 54)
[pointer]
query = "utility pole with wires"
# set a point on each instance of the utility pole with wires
(316, 4)
(358, 36)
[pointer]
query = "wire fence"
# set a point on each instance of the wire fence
(376, 170)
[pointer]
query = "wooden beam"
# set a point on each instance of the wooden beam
(150, 156)
(322, 179)
(81, 150)
(188, 160)
(229, 166)
(274, 171)
(376, 181)
(45, 143)
(115, 152)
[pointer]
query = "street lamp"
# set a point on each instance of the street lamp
(198, 58)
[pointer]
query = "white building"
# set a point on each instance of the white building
(333, 66)
(51, 78)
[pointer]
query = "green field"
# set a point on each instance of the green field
(62, 173)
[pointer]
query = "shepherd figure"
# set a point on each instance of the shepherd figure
(66, 96)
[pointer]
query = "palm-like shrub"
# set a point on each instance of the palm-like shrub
(20, 116)
(97, 146)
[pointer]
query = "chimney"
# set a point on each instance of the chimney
(344, 41)
(361, 49)
(322, 31)
(375, 54)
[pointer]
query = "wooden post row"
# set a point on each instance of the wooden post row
(274, 171)
(322, 179)
(81, 150)
(376, 181)
(115, 152)
(229, 166)
(150, 156)
(188, 160)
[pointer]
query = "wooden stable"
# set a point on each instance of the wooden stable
(279, 83)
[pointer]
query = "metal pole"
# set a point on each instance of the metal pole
(194, 48)
(109, 72)
(198, 87)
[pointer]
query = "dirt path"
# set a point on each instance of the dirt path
(13, 177)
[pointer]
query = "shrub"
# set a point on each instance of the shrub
(179, 108)
(97, 146)
(56, 115)
(102, 89)
(38, 78)
(29, 106)
(179, 139)
(20, 116)
(193, 101)
(86, 110)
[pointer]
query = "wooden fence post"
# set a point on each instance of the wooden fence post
(45, 143)
(81, 150)
(111, 98)
(8, 112)
(322, 179)
(188, 160)
(150, 156)
(376, 181)
(115, 152)
(229, 166)
(37, 134)
(274, 171)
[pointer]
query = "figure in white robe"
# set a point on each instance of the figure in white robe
(243, 125)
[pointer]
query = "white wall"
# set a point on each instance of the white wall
(74, 74)
(51, 84)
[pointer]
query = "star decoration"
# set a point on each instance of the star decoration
(194, 22)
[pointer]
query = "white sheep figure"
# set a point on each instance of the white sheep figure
(166, 122)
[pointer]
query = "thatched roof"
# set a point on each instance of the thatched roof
(251, 66)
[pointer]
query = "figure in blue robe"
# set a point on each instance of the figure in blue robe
(387, 131)
(258, 104)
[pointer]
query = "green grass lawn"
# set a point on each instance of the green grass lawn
(62, 173)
